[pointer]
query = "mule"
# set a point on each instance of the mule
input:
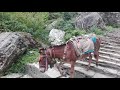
(66, 54)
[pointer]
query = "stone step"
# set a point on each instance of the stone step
(112, 70)
(98, 69)
(103, 56)
(110, 44)
(111, 40)
(110, 47)
(90, 73)
(107, 64)
(109, 50)
(110, 54)
(109, 58)
(106, 59)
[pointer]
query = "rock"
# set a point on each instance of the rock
(56, 37)
(13, 75)
(82, 14)
(111, 18)
(17, 75)
(26, 76)
(33, 71)
(87, 20)
(28, 39)
(12, 45)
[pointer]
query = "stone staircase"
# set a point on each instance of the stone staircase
(109, 61)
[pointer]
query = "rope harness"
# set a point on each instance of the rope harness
(46, 61)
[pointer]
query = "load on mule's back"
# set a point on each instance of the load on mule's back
(77, 48)
(84, 44)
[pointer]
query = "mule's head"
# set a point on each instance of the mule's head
(45, 59)
(42, 50)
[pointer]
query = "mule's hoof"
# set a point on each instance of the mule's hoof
(97, 64)
(68, 73)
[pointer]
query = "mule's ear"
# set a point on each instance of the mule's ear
(40, 49)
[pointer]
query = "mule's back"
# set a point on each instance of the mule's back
(83, 44)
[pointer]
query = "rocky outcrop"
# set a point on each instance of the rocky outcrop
(33, 71)
(12, 45)
(28, 39)
(56, 37)
(111, 18)
(87, 20)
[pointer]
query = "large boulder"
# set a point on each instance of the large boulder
(12, 45)
(87, 20)
(29, 40)
(56, 37)
(111, 18)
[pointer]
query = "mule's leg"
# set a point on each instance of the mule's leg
(72, 71)
(82, 57)
(96, 55)
(90, 60)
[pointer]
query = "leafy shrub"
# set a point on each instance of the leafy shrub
(31, 22)
(71, 33)
(109, 28)
(19, 67)
(54, 15)
(64, 25)
(68, 15)
(95, 30)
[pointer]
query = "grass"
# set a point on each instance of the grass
(31, 56)
(110, 28)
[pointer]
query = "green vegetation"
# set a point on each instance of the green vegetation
(109, 28)
(70, 33)
(31, 22)
(31, 56)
